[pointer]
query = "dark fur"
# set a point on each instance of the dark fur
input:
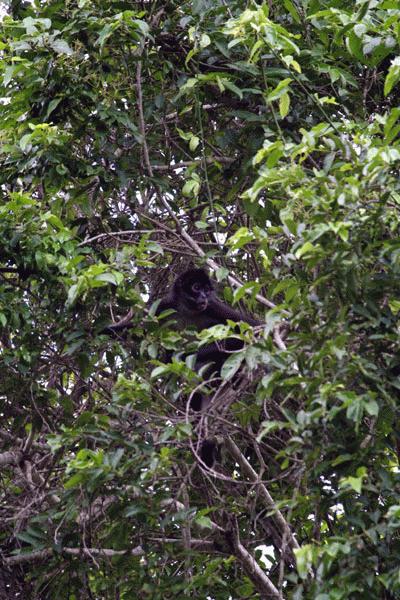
(210, 311)
(194, 299)
(196, 303)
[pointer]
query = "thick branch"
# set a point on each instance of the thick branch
(252, 475)
(88, 552)
(10, 458)
(100, 552)
(254, 571)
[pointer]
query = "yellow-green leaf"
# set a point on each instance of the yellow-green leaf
(284, 104)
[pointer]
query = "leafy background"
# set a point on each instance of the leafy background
(262, 140)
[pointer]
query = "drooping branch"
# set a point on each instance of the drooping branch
(252, 475)
(255, 572)
(250, 565)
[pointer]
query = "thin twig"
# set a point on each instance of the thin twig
(225, 160)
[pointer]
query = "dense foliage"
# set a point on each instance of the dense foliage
(137, 138)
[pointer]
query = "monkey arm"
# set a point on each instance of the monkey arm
(216, 353)
(221, 312)
(126, 321)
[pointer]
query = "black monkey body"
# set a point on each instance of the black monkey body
(196, 304)
(194, 299)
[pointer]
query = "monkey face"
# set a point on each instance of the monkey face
(195, 289)
(199, 296)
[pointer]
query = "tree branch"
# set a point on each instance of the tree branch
(101, 552)
(11, 457)
(255, 572)
(252, 475)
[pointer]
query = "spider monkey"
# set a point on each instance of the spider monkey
(195, 301)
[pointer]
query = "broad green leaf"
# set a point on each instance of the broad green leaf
(284, 104)
(61, 47)
(280, 90)
(194, 142)
(304, 559)
(393, 76)
(231, 365)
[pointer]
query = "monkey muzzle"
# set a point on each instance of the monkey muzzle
(201, 302)
(201, 305)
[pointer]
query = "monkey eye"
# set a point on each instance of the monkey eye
(196, 287)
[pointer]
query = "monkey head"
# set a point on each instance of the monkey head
(194, 289)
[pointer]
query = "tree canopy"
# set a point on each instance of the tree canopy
(262, 142)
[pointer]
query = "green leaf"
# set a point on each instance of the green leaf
(355, 482)
(241, 291)
(203, 522)
(161, 370)
(372, 408)
(240, 238)
(74, 481)
(306, 248)
(354, 44)
(393, 76)
(256, 47)
(280, 90)
(191, 188)
(105, 33)
(290, 7)
(52, 106)
(394, 306)
(114, 278)
(73, 293)
(194, 142)
(231, 365)
(61, 47)
(205, 40)
(284, 104)
(304, 559)
(355, 411)
(231, 86)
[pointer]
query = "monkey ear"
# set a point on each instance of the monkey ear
(207, 273)
(203, 269)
